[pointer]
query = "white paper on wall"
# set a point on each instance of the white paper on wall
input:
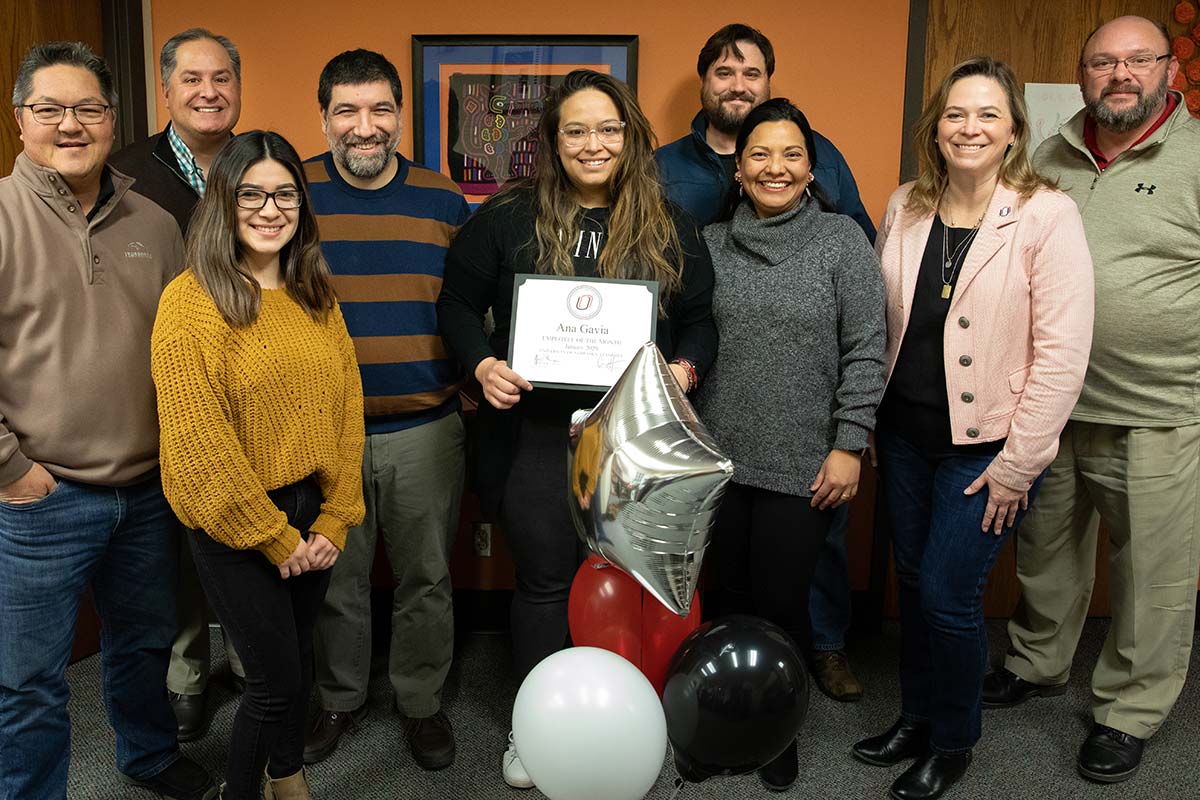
(1050, 105)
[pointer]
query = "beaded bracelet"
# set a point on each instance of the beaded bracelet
(690, 369)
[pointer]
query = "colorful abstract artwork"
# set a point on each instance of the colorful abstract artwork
(478, 99)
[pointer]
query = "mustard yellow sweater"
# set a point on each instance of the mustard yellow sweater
(243, 411)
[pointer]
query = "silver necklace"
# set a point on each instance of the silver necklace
(950, 260)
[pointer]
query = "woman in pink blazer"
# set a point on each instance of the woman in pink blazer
(989, 315)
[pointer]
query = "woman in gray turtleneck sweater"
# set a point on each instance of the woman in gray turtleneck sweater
(798, 303)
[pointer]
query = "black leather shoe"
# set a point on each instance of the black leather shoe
(431, 740)
(190, 714)
(779, 774)
(930, 777)
(322, 738)
(902, 741)
(183, 780)
(1109, 755)
(1003, 689)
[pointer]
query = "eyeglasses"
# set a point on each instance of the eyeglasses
(577, 135)
(53, 113)
(254, 199)
(1144, 62)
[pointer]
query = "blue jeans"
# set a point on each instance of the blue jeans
(942, 565)
(829, 595)
(121, 542)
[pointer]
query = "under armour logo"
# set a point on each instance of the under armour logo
(1148, 189)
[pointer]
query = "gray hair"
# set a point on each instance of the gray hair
(74, 54)
(167, 58)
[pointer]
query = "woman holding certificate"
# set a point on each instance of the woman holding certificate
(989, 306)
(792, 396)
(593, 208)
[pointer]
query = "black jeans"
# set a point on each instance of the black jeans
(546, 549)
(270, 621)
(766, 546)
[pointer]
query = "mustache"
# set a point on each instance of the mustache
(747, 96)
(351, 139)
(1123, 87)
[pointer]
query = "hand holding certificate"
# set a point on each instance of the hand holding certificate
(578, 333)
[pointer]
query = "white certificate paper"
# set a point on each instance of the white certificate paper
(579, 333)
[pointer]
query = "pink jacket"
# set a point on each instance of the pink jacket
(1019, 328)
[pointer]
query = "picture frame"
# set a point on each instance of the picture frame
(477, 99)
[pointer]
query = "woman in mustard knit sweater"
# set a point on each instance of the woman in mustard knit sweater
(260, 408)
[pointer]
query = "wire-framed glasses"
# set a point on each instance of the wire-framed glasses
(1141, 63)
(53, 113)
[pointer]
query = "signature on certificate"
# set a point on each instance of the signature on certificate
(607, 360)
(541, 358)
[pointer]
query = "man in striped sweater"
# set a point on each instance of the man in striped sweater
(385, 226)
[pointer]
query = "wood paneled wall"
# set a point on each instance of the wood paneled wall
(24, 23)
(1040, 40)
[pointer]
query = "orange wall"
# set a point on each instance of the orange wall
(843, 63)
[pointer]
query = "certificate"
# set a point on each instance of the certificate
(579, 333)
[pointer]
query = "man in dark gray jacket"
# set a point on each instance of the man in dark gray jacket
(201, 78)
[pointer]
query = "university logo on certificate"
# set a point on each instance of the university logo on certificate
(579, 333)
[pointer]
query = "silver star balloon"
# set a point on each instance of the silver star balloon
(646, 480)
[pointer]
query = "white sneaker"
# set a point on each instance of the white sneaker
(514, 772)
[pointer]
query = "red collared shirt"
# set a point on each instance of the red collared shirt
(1089, 133)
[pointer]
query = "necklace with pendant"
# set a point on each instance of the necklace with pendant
(950, 260)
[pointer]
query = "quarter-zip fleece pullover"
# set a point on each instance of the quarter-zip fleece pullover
(1141, 216)
(77, 304)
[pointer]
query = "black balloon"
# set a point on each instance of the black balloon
(736, 696)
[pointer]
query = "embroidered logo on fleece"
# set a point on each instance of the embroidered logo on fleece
(137, 250)
(1141, 187)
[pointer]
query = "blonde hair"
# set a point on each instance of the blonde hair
(1016, 170)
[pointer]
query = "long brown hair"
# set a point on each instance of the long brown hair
(1016, 170)
(214, 251)
(642, 241)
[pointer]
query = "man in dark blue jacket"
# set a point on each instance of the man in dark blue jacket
(735, 68)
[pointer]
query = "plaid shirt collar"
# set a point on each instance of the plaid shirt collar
(187, 161)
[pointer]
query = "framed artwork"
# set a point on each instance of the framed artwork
(477, 99)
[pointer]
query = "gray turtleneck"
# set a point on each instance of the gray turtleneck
(798, 303)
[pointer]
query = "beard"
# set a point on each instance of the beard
(721, 116)
(363, 165)
(1131, 118)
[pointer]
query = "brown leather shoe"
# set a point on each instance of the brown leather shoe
(322, 739)
(431, 740)
(832, 670)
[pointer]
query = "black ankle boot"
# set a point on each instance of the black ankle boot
(902, 741)
(931, 776)
(779, 774)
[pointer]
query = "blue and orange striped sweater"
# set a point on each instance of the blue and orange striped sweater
(387, 250)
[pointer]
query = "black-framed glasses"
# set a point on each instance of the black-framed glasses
(53, 113)
(610, 132)
(1141, 63)
(254, 199)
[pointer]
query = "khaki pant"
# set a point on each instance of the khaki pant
(1144, 483)
(412, 484)
(188, 671)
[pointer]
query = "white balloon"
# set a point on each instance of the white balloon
(589, 726)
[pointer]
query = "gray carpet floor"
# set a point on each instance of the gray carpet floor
(1027, 752)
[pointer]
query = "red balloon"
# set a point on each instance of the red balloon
(609, 609)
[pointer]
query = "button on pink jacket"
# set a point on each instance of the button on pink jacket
(1019, 327)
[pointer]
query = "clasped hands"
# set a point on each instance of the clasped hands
(314, 554)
